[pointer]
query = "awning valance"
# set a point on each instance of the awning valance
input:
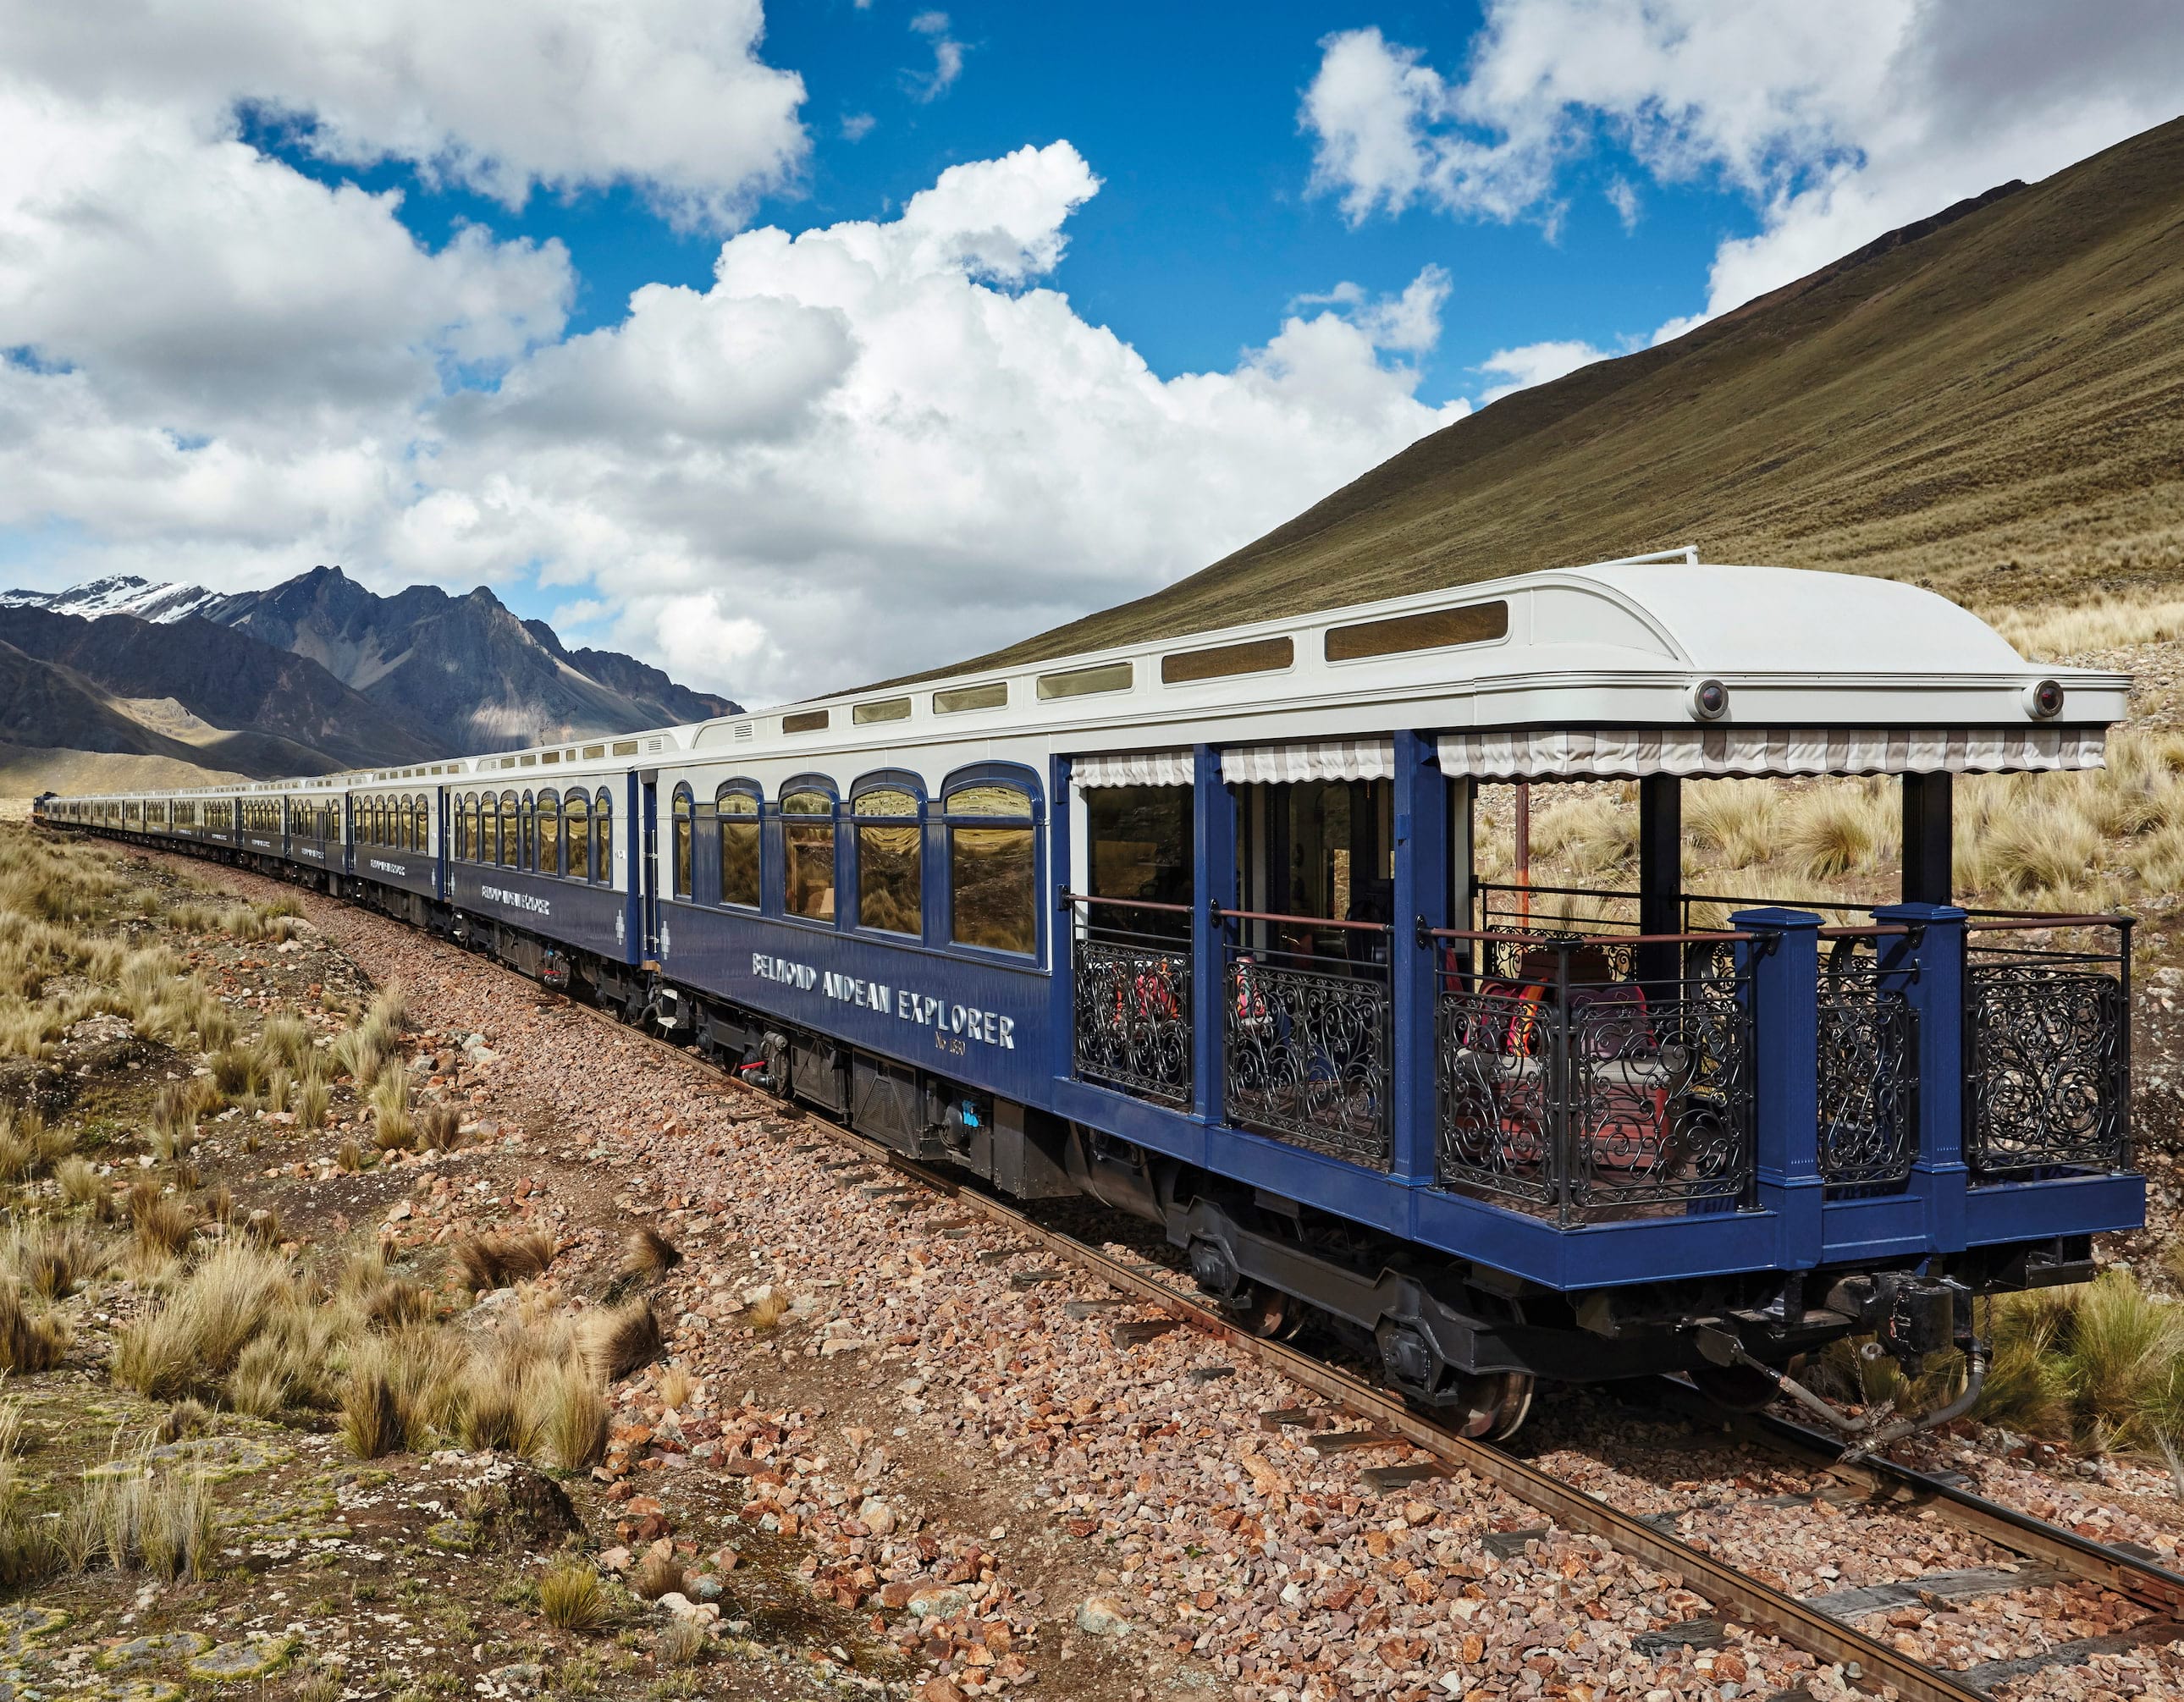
(1366, 759)
(1132, 768)
(1626, 754)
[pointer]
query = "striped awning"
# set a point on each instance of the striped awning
(1629, 753)
(1366, 759)
(1132, 768)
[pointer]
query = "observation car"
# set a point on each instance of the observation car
(1194, 927)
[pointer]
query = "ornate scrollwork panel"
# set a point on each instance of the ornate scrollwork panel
(1868, 1134)
(1133, 1018)
(1306, 1059)
(2046, 1067)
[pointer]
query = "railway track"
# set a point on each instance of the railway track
(1818, 1626)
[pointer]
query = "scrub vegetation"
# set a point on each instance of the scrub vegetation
(161, 1051)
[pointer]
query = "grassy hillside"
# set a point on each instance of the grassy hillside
(1992, 402)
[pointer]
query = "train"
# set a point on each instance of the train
(1201, 928)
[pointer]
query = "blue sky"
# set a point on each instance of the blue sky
(1205, 230)
(788, 345)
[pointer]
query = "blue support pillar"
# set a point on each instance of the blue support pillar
(1421, 902)
(1927, 965)
(1061, 924)
(1786, 1033)
(1213, 836)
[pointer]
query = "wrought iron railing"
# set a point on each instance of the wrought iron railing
(1582, 1098)
(1867, 1137)
(1132, 977)
(2047, 1044)
(1306, 1047)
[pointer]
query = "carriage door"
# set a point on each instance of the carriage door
(649, 899)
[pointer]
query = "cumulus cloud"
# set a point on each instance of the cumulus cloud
(1838, 122)
(859, 449)
(667, 95)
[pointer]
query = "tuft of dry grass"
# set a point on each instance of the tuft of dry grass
(314, 1100)
(772, 1307)
(1590, 835)
(624, 1340)
(192, 1344)
(50, 1258)
(681, 1643)
(350, 1156)
(1828, 832)
(1735, 820)
(647, 1254)
(142, 1516)
(439, 1128)
(2046, 847)
(392, 1128)
(656, 1576)
(162, 1223)
(494, 1261)
(566, 1415)
(79, 1180)
(31, 1341)
(570, 1597)
(239, 1071)
(677, 1385)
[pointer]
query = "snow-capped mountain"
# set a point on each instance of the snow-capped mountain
(122, 593)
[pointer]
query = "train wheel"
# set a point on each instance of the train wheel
(1267, 1312)
(1734, 1389)
(1496, 1405)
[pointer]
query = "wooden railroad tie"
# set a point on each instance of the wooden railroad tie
(1138, 1332)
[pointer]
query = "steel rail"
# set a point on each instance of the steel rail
(2144, 1581)
(1730, 1592)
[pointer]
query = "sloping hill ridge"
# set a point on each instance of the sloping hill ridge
(1990, 402)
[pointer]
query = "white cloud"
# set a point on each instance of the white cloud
(947, 58)
(1536, 363)
(863, 448)
(1623, 196)
(668, 95)
(857, 125)
(1840, 122)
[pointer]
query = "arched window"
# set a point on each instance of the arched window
(511, 832)
(578, 810)
(489, 831)
(682, 847)
(464, 838)
(736, 806)
(807, 839)
(420, 826)
(602, 838)
(890, 854)
(549, 833)
(993, 864)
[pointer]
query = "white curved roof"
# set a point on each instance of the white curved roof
(1615, 646)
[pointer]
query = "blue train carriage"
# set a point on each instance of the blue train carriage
(541, 846)
(1194, 927)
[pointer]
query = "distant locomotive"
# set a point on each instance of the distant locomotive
(1193, 927)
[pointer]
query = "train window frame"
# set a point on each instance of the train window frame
(1468, 625)
(810, 786)
(739, 793)
(952, 820)
(576, 807)
(511, 830)
(465, 837)
(683, 876)
(892, 782)
(551, 858)
(603, 823)
(963, 700)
